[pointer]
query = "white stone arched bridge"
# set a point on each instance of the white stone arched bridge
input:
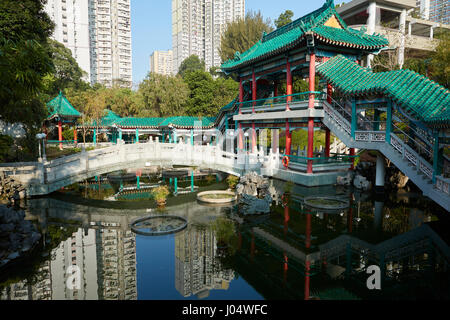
(44, 178)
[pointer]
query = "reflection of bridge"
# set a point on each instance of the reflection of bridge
(344, 255)
(49, 209)
(399, 113)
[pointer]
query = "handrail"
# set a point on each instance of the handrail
(336, 155)
(278, 99)
(284, 96)
(430, 153)
(62, 141)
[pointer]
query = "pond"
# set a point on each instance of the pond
(295, 252)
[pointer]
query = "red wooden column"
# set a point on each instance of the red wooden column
(312, 80)
(350, 215)
(327, 131)
(275, 88)
(307, 245)
(288, 83)
(75, 135)
(253, 110)
(352, 153)
(285, 267)
(308, 231)
(307, 275)
(288, 100)
(241, 99)
(286, 218)
(60, 134)
(44, 128)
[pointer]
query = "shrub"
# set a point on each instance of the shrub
(232, 181)
(160, 193)
(5, 147)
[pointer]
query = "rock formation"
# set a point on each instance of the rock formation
(10, 189)
(255, 194)
(17, 235)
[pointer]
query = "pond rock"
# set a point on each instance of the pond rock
(398, 180)
(17, 235)
(254, 194)
(345, 180)
(361, 183)
(253, 205)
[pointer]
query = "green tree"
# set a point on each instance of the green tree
(123, 101)
(23, 65)
(25, 20)
(24, 62)
(162, 96)
(242, 34)
(94, 109)
(207, 95)
(67, 71)
(419, 65)
(440, 61)
(225, 90)
(191, 63)
(202, 88)
(284, 18)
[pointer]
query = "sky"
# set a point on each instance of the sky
(151, 25)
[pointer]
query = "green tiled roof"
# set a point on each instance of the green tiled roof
(181, 122)
(425, 99)
(111, 115)
(107, 120)
(61, 107)
(290, 35)
(131, 122)
(188, 122)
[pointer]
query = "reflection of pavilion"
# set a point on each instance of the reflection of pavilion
(197, 268)
(282, 264)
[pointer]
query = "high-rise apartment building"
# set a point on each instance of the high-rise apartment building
(197, 26)
(161, 62)
(98, 32)
(435, 10)
(197, 266)
(104, 255)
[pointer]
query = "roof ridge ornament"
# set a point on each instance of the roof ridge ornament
(329, 3)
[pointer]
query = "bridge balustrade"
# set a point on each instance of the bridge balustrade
(296, 101)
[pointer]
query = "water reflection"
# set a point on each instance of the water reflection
(198, 268)
(295, 252)
(106, 256)
(137, 184)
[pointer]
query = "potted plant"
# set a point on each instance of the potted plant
(160, 195)
(232, 181)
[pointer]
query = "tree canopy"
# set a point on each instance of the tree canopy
(240, 35)
(284, 18)
(191, 63)
(162, 96)
(25, 19)
(67, 71)
(440, 61)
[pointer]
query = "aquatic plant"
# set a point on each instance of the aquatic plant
(160, 195)
(232, 181)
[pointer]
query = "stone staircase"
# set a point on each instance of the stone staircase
(401, 155)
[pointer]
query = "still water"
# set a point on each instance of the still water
(295, 252)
